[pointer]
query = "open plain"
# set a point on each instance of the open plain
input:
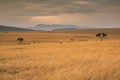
(60, 55)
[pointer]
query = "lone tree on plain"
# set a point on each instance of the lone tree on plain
(20, 40)
(101, 35)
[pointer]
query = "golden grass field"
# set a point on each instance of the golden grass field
(42, 57)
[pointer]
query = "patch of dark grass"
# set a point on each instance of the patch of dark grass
(8, 70)
(11, 70)
(5, 59)
(2, 70)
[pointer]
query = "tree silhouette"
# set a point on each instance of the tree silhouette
(20, 40)
(101, 35)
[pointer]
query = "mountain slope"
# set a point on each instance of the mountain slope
(47, 27)
(91, 31)
(8, 28)
(66, 29)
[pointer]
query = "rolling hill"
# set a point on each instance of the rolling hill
(52, 27)
(9, 28)
(91, 31)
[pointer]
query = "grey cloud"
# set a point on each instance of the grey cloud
(106, 2)
(57, 2)
(111, 2)
(51, 7)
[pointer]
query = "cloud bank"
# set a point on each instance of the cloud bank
(53, 7)
(25, 13)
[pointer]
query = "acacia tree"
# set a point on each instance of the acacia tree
(20, 40)
(101, 35)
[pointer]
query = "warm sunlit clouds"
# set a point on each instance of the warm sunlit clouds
(25, 13)
(81, 19)
(59, 19)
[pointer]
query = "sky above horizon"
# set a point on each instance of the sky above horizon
(28, 13)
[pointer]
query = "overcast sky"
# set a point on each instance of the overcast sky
(27, 13)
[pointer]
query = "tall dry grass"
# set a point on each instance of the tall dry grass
(83, 60)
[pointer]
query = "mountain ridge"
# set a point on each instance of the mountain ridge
(10, 28)
(47, 27)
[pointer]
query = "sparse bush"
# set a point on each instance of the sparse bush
(60, 42)
(101, 35)
(72, 39)
(34, 42)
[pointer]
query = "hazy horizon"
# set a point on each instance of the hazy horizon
(29, 13)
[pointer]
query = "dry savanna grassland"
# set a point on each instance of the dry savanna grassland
(60, 55)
